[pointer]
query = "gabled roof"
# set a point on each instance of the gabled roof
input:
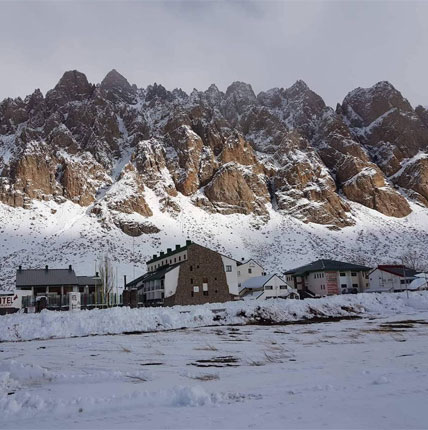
(43, 277)
(240, 263)
(327, 265)
(398, 270)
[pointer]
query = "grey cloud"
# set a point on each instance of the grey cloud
(333, 46)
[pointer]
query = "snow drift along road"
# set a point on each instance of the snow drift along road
(46, 325)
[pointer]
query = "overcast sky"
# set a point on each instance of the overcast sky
(334, 46)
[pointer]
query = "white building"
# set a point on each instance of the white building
(248, 269)
(390, 278)
(267, 287)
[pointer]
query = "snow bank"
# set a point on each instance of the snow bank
(28, 404)
(47, 325)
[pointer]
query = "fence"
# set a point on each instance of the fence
(60, 302)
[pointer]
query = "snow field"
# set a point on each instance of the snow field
(48, 324)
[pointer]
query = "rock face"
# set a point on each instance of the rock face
(110, 146)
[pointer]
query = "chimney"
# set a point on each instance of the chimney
(154, 256)
(162, 254)
(96, 274)
(177, 247)
(46, 267)
(70, 267)
(242, 259)
(19, 268)
(188, 242)
(169, 250)
(124, 281)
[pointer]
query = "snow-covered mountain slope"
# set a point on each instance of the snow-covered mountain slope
(279, 176)
(62, 234)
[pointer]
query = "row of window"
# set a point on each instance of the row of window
(405, 281)
(165, 262)
(281, 287)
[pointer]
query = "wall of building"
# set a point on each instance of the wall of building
(317, 283)
(202, 278)
(171, 281)
(232, 275)
(379, 279)
(275, 287)
(248, 270)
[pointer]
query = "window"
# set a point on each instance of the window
(342, 274)
(250, 270)
(196, 289)
(228, 268)
(179, 258)
(268, 287)
(354, 285)
(175, 260)
(191, 268)
(283, 287)
(402, 281)
(191, 280)
(353, 274)
(206, 293)
(343, 285)
(239, 273)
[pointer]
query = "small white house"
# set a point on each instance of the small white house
(267, 287)
(391, 277)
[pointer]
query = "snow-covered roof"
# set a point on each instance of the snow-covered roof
(418, 283)
(258, 281)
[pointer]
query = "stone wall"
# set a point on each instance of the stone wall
(202, 266)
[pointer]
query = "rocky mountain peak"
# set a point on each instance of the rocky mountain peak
(231, 152)
(73, 86)
(117, 87)
(365, 105)
(157, 91)
(241, 91)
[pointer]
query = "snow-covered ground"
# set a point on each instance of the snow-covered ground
(361, 373)
(49, 325)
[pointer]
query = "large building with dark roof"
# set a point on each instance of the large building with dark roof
(54, 281)
(328, 277)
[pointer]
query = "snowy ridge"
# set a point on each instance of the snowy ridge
(48, 325)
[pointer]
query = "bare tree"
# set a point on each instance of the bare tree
(107, 276)
(412, 260)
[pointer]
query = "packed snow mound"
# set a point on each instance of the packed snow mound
(48, 324)
(26, 404)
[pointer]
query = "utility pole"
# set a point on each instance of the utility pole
(133, 257)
